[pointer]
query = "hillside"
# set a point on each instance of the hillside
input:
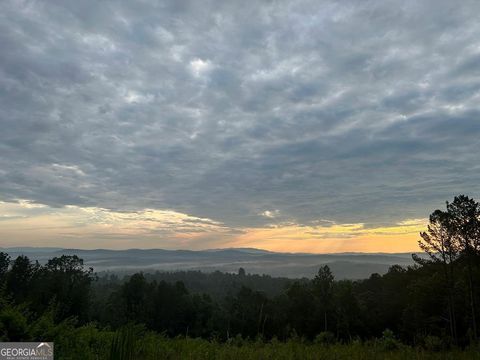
(254, 261)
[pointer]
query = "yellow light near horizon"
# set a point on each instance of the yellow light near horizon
(27, 224)
(336, 238)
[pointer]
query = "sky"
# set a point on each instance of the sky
(299, 126)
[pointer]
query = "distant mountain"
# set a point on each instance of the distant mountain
(255, 261)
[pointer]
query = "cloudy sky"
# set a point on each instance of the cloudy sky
(318, 126)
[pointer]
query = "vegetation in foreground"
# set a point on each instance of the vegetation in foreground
(426, 311)
(134, 342)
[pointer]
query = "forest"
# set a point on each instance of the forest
(428, 310)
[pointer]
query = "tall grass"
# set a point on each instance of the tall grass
(123, 345)
(129, 344)
(135, 343)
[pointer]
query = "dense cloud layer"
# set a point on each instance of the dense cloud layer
(246, 114)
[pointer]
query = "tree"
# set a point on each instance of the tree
(323, 290)
(135, 293)
(247, 313)
(454, 236)
(4, 264)
(464, 226)
(13, 324)
(19, 278)
(346, 309)
(301, 309)
(65, 280)
(465, 223)
(241, 272)
(70, 264)
(438, 242)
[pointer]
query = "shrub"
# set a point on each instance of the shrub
(13, 325)
(388, 341)
(433, 343)
(325, 338)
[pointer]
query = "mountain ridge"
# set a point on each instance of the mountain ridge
(255, 261)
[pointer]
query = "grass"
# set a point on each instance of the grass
(88, 342)
(154, 348)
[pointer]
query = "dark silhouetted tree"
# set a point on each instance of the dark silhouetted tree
(464, 226)
(323, 290)
(4, 264)
(66, 280)
(441, 246)
(19, 278)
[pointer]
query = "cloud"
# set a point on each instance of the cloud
(200, 67)
(356, 112)
(271, 214)
(26, 223)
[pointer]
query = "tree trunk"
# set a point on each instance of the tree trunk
(326, 327)
(472, 299)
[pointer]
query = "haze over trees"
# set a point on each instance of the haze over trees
(431, 305)
(126, 262)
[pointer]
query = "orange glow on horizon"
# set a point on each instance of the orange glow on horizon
(334, 239)
(27, 224)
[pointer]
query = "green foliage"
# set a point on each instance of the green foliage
(388, 342)
(13, 324)
(219, 285)
(429, 308)
(65, 280)
(325, 338)
(124, 344)
(19, 279)
(153, 346)
(433, 343)
(4, 264)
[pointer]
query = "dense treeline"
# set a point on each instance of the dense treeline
(432, 304)
(216, 284)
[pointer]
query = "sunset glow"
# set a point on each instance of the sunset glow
(25, 224)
